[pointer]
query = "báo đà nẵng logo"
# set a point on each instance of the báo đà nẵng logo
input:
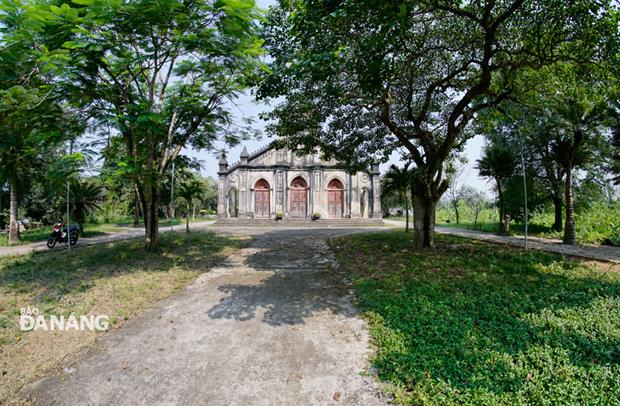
(30, 319)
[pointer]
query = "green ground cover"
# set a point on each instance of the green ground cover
(473, 323)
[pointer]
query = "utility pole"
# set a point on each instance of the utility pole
(515, 127)
(524, 193)
(172, 200)
(68, 203)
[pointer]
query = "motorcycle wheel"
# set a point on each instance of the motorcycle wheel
(74, 239)
(51, 242)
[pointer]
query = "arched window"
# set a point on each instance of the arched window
(299, 182)
(261, 184)
(335, 184)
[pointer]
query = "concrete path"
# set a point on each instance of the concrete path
(124, 233)
(596, 252)
(273, 325)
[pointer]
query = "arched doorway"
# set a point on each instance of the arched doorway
(335, 198)
(299, 197)
(262, 201)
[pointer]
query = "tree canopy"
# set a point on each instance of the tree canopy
(163, 73)
(362, 79)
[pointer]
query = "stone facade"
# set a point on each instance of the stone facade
(278, 181)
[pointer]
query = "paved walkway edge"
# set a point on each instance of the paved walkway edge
(594, 252)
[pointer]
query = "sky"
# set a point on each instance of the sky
(247, 107)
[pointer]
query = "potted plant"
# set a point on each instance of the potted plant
(279, 215)
(316, 216)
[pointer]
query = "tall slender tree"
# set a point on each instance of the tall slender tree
(498, 162)
(164, 73)
(30, 105)
(189, 191)
(397, 181)
(453, 191)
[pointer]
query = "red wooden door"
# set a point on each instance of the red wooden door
(335, 194)
(298, 202)
(261, 203)
(299, 197)
(261, 199)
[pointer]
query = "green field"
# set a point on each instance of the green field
(599, 222)
(467, 324)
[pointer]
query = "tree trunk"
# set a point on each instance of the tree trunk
(406, 215)
(80, 216)
(456, 210)
(14, 237)
(187, 219)
(570, 229)
(503, 218)
(423, 222)
(136, 208)
(151, 216)
(557, 205)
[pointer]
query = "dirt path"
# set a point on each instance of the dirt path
(595, 252)
(273, 325)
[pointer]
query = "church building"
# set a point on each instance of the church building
(277, 183)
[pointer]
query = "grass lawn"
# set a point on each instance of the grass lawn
(118, 279)
(474, 323)
(595, 224)
(91, 230)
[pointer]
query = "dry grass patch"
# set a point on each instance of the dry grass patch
(119, 279)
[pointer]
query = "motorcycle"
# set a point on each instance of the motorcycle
(59, 234)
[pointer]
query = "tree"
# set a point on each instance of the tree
(30, 109)
(453, 190)
(121, 195)
(514, 194)
(476, 200)
(575, 103)
(163, 73)
(189, 191)
(86, 196)
(498, 162)
(209, 199)
(616, 157)
(361, 79)
(397, 181)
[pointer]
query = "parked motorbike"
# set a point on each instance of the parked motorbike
(59, 234)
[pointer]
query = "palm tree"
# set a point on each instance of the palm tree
(86, 196)
(188, 191)
(397, 181)
(571, 154)
(499, 164)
